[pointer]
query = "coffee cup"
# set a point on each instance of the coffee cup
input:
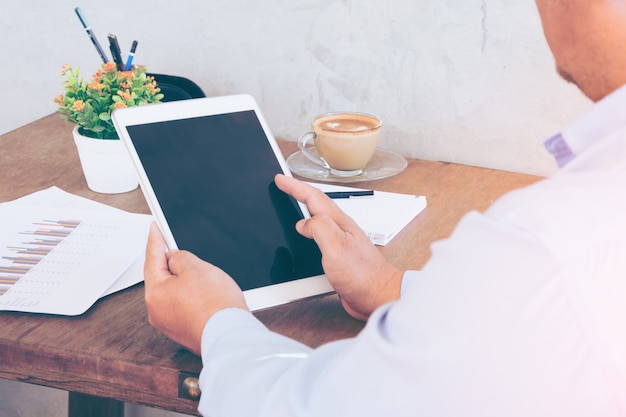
(345, 141)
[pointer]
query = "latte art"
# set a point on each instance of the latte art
(348, 123)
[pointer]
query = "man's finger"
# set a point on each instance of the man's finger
(326, 233)
(155, 266)
(316, 201)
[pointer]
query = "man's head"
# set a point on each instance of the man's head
(588, 41)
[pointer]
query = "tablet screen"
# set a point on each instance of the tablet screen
(213, 179)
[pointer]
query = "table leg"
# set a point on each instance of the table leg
(84, 405)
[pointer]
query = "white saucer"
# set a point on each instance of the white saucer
(382, 165)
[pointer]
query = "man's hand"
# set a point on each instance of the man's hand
(355, 268)
(183, 292)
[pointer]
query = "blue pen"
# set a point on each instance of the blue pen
(92, 36)
(131, 55)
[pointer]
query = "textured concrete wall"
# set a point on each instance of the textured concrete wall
(468, 81)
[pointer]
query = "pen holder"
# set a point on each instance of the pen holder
(176, 88)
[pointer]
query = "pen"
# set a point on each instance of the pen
(92, 36)
(116, 52)
(131, 55)
(349, 194)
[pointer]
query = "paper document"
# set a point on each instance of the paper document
(382, 216)
(61, 260)
(55, 197)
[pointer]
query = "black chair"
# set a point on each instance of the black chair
(177, 88)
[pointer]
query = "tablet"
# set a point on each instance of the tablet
(206, 168)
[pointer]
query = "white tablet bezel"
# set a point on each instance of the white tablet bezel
(257, 298)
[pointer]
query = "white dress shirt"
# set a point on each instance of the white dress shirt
(521, 312)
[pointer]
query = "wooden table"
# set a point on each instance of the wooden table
(111, 354)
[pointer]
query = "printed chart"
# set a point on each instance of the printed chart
(38, 243)
(61, 261)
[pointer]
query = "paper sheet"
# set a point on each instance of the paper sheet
(60, 253)
(55, 197)
(382, 216)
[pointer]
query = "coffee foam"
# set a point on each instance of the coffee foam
(349, 123)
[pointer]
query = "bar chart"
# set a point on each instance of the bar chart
(60, 253)
(35, 245)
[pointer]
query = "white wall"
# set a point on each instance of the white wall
(467, 81)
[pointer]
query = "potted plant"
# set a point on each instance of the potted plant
(88, 105)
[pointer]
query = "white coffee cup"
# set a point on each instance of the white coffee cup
(345, 141)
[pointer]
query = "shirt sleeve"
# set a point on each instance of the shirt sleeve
(234, 338)
(252, 371)
(408, 279)
(234, 345)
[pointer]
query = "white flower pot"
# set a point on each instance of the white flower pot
(106, 164)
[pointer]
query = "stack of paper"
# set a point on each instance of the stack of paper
(60, 253)
(381, 216)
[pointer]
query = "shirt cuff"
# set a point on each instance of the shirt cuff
(224, 321)
(408, 279)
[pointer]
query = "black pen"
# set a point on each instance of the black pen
(92, 36)
(131, 55)
(349, 194)
(116, 51)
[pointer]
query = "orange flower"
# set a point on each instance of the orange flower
(78, 105)
(58, 99)
(98, 75)
(96, 85)
(152, 87)
(126, 95)
(120, 105)
(65, 68)
(109, 67)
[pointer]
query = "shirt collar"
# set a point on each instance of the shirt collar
(604, 118)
